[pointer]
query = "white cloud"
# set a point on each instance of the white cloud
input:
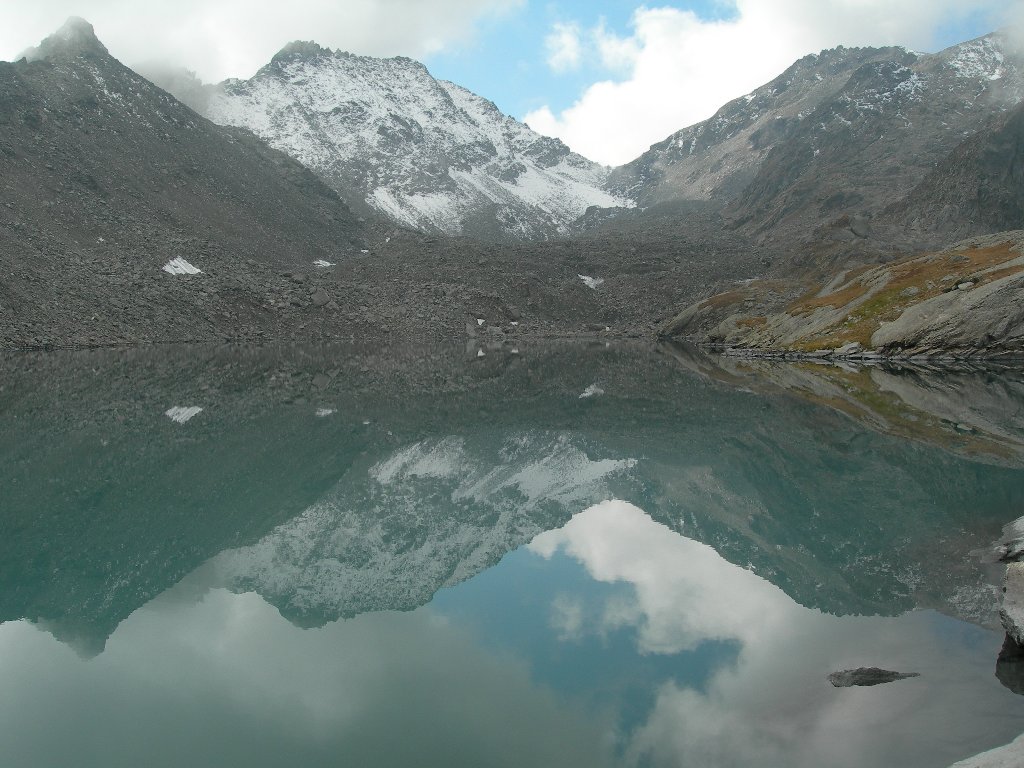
(615, 52)
(233, 38)
(676, 608)
(680, 68)
(564, 47)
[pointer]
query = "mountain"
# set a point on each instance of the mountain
(833, 141)
(718, 157)
(125, 216)
(879, 136)
(426, 153)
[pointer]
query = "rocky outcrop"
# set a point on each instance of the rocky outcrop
(985, 317)
(961, 302)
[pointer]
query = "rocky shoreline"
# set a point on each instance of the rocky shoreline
(957, 304)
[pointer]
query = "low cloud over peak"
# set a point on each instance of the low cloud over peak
(232, 38)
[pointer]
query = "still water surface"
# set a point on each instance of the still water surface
(257, 557)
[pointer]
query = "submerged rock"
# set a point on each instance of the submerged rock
(867, 676)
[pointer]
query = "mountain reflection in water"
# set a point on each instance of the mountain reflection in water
(417, 562)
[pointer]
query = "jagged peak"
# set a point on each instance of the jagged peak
(309, 49)
(302, 48)
(76, 37)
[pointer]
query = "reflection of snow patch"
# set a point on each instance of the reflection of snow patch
(180, 267)
(591, 391)
(323, 263)
(180, 415)
(591, 282)
(322, 412)
(540, 468)
(442, 459)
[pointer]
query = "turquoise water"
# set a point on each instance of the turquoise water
(352, 557)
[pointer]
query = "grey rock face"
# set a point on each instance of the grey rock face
(963, 302)
(867, 676)
(990, 315)
(978, 188)
(76, 38)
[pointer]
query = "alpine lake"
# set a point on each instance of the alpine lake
(555, 555)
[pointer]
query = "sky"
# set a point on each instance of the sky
(608, 77)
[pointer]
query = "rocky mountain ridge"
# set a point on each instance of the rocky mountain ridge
(812, 156)
(427, 153)
(717, 158)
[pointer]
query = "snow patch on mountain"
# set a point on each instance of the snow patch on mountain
(427, 153)
(978, 59)
(179, 266)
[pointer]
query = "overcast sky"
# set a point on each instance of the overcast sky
(609, 77)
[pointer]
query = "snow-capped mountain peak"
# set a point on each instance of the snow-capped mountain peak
(425, 152)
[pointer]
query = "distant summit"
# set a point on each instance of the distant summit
(306, 49)
(392, 139)
(74, 39)
(815, 155)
